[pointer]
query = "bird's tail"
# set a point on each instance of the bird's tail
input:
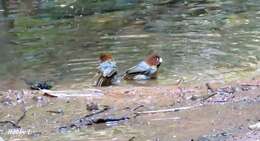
(100, 81)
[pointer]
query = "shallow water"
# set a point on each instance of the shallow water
(207, 40)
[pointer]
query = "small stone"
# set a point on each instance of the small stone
(194, 97)
(255, 126)
(38, 98)
(92, 106)
(224, 134)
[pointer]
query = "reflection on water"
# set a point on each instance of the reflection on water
(61, 40)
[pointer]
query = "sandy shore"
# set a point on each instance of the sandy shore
(218, 112)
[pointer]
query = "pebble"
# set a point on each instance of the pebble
(38, 98)
(92, 107)
(255, 126)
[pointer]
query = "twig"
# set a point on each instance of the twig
(89, 120)
(206, 97)
(171, 118)
(73, 93)
(55, 112)
(10, 122)
(211, 91)
(13, 123)
(136, 108)
(98, 112)
(180, 81)
(209, 88)
(168, 110)
(249, 85)
(101, 120)
(132, 139)
(134, 115)
(21, 118)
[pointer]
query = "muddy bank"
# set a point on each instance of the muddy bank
(207, 112)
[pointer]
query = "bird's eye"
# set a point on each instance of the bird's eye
(157, 58)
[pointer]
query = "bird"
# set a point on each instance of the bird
(107, 70)
(146, 69)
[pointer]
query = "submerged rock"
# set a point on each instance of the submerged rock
(41, 85)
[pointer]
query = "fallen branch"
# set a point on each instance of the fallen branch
(91, 119)
(73, 93)
(168, 110)
(104, 120)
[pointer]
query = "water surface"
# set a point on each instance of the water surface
(200, 41)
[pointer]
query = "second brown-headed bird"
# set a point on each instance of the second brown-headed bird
(107, 70)
(146, 69)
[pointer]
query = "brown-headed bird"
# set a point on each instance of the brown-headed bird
(107, 70)
(146, 69)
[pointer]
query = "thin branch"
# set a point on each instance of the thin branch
(55, 112)
(98, 112)
(21, 118)
(136, 108)
(10, 122)
(206, 97)
(90, 120)
(209, 88)
(132, 138)
(168, 110)
(13, 123)
(211, 93)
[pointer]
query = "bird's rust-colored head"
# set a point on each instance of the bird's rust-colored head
(153, 60)
(105, 56)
